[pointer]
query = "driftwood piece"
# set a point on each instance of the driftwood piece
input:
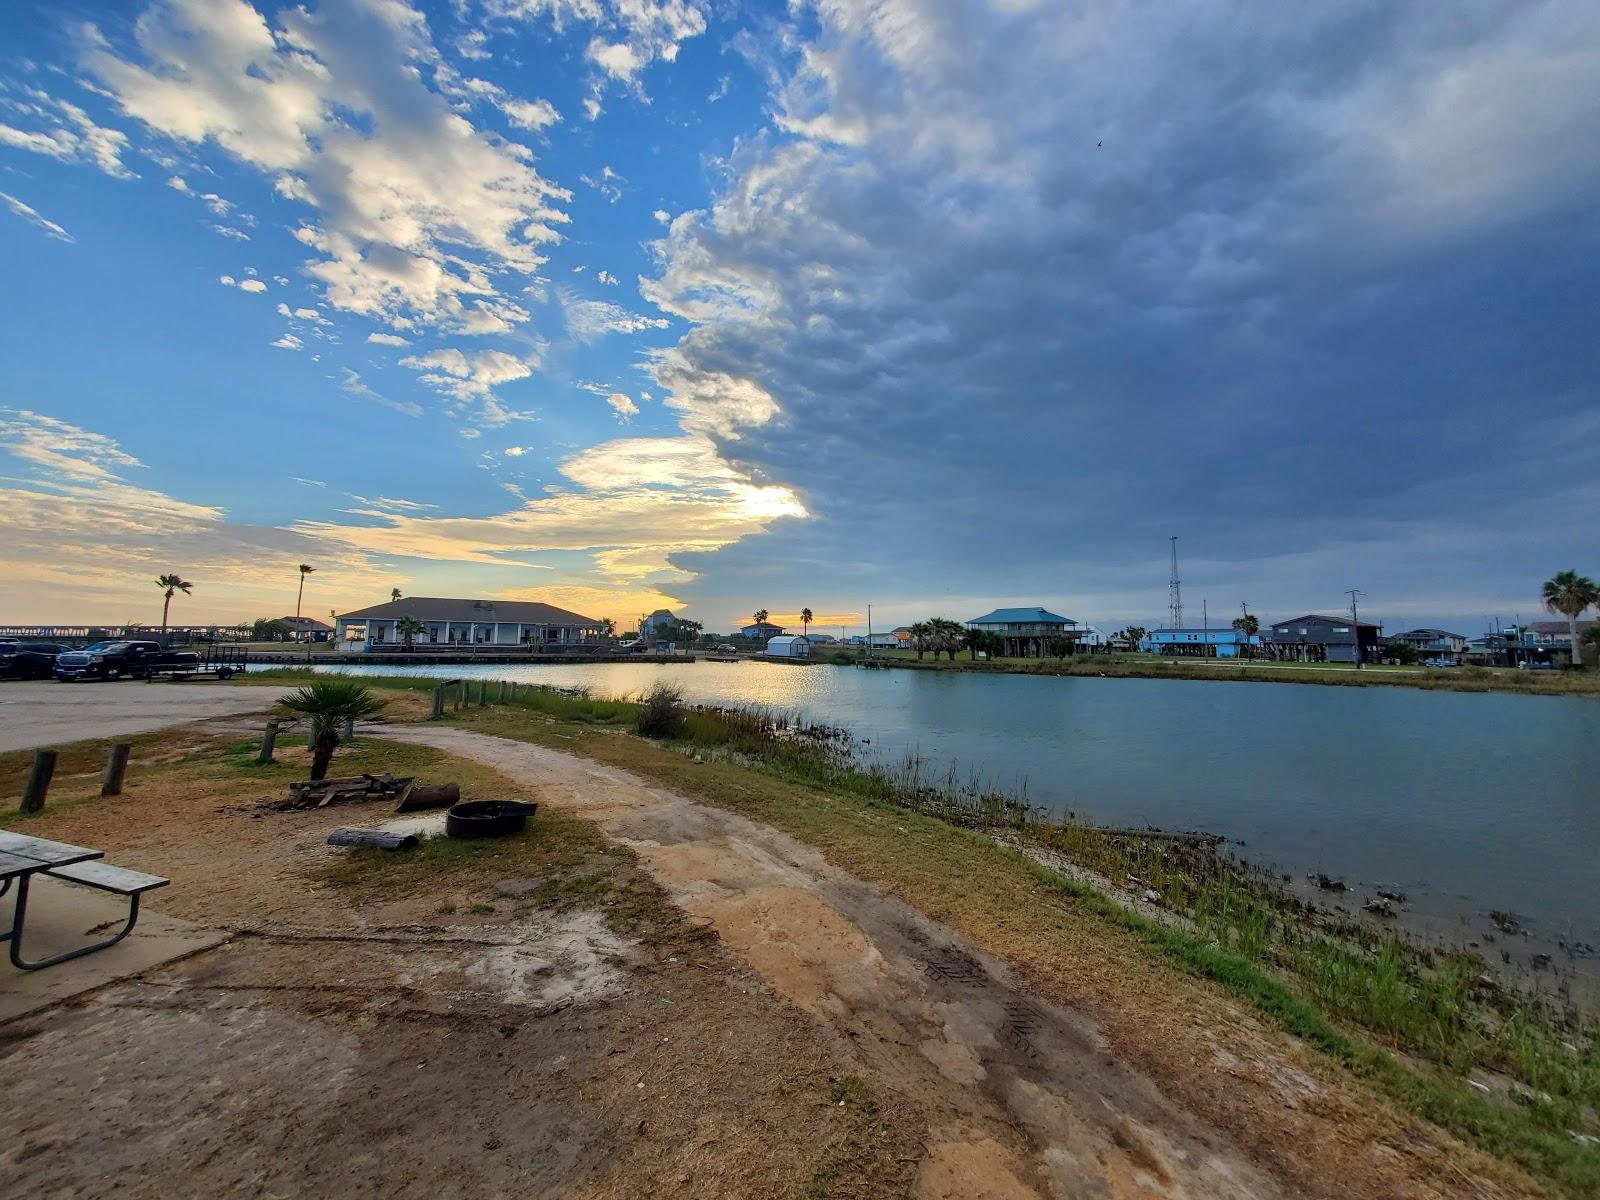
(420, 796)
(372, 837)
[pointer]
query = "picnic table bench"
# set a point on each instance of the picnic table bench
(22, 857)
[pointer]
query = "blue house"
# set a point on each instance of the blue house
(1199, 643)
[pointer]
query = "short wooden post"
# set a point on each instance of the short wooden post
(44, 766)
(438, 703)
(483, 692)
(461, 693)
(349, 734)
(116, 768)
(269, 738)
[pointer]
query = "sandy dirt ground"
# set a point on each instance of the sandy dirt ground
(1023, 1098)
(41, 713)
(443, 1040)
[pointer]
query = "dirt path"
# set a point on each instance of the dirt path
(1024, 1098)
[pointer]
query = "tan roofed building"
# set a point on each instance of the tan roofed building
(447, 623)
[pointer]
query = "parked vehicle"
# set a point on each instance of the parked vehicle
(125, 659)
(119, 659)
(28, 660)
(727, 648)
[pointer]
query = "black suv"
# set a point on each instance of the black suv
(28, 660)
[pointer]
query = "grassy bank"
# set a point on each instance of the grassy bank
(1150, 666)
(1503, 1071)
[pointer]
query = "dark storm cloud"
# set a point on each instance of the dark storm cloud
(1035, 289)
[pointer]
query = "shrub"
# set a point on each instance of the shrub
(661, 714)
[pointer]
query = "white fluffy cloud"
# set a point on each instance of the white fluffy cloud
(591, 320)
(413, 210)
(622, 404)
(65, 132)
(387, 339)
(469, 375)
(289, 342)
(628, 35)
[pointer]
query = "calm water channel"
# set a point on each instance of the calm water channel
(1465, 802)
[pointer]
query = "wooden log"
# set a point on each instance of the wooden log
(372, 837)
(33, 794)
(269, 739)
(438, 703)
(420, 796)
(116, 768)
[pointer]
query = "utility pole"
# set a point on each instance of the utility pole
(1355, 624)
(1174, 591)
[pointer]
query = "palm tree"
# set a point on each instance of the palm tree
(1568, 593)
(305, 569)
(805, 620)
(171, 584)
(975, 640)
(947, 636)
(394, 593)
(760, 615)
(408, 628)
(920, 633)
(329, 703)
(609, 626)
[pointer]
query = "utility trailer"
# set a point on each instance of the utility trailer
(221, 661)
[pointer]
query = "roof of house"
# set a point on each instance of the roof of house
(1335, 619)
(305, 624)
(436, 608)
(661, 612)
(1021, 616)
(1553, 627)
(1430, 633)
(789, 638)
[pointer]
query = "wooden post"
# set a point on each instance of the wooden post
(44, 766)
(116, 768)
(349, 730)
(438, 702)
(269, 738)
(483, 692)
(461, 693)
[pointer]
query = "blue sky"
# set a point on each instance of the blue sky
(938, 305)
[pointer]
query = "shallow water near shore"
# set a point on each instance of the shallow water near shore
(1467, 803)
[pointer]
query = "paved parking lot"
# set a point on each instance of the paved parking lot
(46, 713)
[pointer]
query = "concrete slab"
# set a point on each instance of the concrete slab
(45, 713)
(61, 916)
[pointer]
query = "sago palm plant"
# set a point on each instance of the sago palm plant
(328, 704)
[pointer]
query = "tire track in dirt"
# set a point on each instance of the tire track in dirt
(1026, 1098)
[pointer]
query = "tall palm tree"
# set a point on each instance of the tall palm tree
(171, 584)
(1568, 593)
(305, 569)
(760, 615)
(805, 620)
(394, 593)
(329, 703)
(609, 626)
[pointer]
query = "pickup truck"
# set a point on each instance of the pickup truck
(123, 659)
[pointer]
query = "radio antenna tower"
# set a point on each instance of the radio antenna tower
(1175, 596)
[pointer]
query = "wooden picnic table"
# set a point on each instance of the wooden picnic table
(22, 857)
